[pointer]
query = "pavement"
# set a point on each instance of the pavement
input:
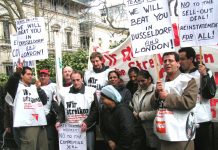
(100, 145)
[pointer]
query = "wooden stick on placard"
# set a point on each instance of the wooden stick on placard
(201, 55)
(156, 67)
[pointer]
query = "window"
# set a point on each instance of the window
(9, 70)
(54, 28)
(68, 32)
(4, 31)
(69, 40)
(84, 42)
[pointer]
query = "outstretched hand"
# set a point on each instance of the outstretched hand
(19, 66)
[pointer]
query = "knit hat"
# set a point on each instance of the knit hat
(110, 92)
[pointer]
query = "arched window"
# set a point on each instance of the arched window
(55, 28)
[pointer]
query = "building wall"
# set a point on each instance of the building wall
(68, 21)
(67, 18)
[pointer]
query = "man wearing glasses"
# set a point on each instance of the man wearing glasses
(175, 100)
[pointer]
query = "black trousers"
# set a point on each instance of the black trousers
(203, 137)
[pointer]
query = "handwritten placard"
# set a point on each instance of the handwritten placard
(198, 22)
(31, 38)
(15, 52)
(150, 27)
(71, 137)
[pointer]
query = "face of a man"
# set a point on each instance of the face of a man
(170, 64)
(27, 77)
(77, 80)
(44, 79)
(97, 63)
(66, 73)
(185, 63)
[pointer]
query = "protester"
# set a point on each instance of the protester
(132, 84)
(207, 90)
(97, 76)
(27, 101)
(142, 109)
(66, 75)
(82, 96)
(115, 80)
(175, 99)
(50, 111)
(120, 130)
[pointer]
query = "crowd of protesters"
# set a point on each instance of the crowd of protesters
(171, 114)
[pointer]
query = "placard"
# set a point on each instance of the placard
(15, 53)
(31, 38)
(198, 22)
(150, 27)
(71, 137)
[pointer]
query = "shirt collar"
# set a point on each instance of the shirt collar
(172, 77)
(76, 91)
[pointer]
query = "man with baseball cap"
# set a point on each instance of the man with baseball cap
(50, 90)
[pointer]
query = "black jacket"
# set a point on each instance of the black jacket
(120, 126)
(124, 92)
(208, 85)
(132, 87)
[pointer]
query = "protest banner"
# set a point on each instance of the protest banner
(71, 137)
(121, 58)
(198, 22)
(15, 53)
(150, 27)
(31, 38)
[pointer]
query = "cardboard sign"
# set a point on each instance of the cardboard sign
(198, 22)
(71, 137)
(31, 39)
(15, 53)
(150, 27)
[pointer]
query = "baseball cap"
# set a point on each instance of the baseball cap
(45, 71)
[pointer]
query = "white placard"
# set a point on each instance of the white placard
(71, 137)
(15, 53)
(150, 27)
(31, 38)
(198, 22)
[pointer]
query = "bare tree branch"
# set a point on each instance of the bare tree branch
(111, 21)
(19, 9)
(9, 5)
